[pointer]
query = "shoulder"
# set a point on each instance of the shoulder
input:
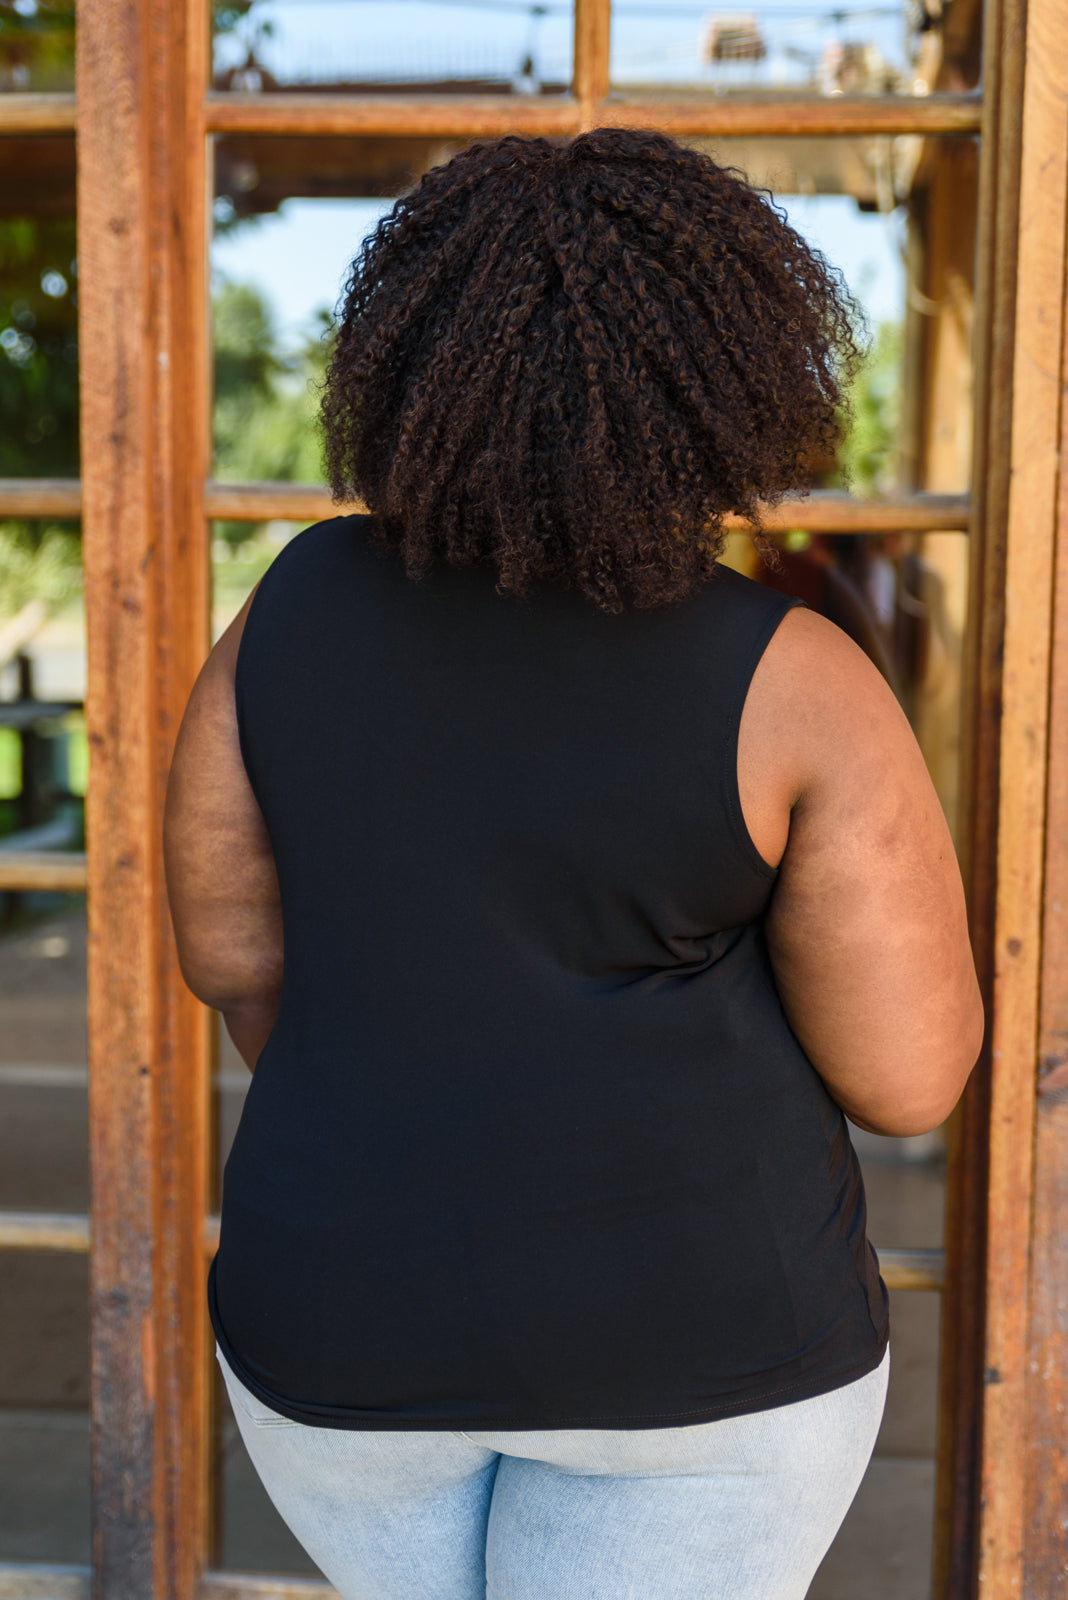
(819, 700)
(820, 723)
(322, 545)
(312, 566)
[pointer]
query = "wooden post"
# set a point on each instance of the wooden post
(1045, 1534)
(1026, 1169)
(142, 271)
(962, 1359)
(593, 28)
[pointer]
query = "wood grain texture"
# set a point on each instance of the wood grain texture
(309, 502)
(1024, 755)
(593, 36)
(456, 117)
(40, 497)
(43, 870)
(142, 264)
(437, 116)
(1046, 1477)
(962, 1364)
(912, 1269)
(833, 116)
(180, 229)
(114, 296)
(254, 1586)
(28, 1581)
(37, 113)
(818, 513)
(43, 1230)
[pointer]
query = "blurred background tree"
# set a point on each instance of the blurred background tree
(37, 45)
(39, 557)
(867, 457)
(266, 403)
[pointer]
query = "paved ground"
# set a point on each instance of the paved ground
(882, 1552)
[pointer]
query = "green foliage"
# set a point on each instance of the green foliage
(227, 14)
(868, 457)
(246, 363)
(10, 764)
(266, 405)
(39, 560)
(38, 348)
(40, 557)
(37, 45)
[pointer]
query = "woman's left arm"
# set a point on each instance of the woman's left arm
(221, 878)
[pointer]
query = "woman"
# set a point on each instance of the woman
(609, 881)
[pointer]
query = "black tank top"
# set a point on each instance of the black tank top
(532, 1144)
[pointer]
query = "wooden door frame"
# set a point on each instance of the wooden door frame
(143, 116)
(1013, 1498)
(142, 197)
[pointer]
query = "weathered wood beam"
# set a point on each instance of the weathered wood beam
(912, 1269)
(453, 117)
(1023, 1403)
(142, 189)
(440, 116)
(474, 116)
(962, 1386)
(40, 497)
(29, 1581)
(33, 871)
(833, 116)
(307, 502)
(37, 113)
(817, 513)
(254, 1586)
(43, 1230)
(1045, 1536)
(593, 33)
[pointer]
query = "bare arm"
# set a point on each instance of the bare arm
(866, 929)
(221, 878)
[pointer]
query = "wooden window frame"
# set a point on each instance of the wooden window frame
(142, 116)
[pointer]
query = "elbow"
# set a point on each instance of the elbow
(230, 997)
(902, 1124)
(230, 985)
(932, 1095)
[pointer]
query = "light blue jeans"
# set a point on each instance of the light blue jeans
(740, 1509)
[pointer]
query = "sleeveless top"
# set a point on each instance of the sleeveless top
(531, 1144)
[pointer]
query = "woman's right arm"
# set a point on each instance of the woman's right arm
(866, 929)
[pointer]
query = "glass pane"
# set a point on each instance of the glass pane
(250, 1536)
(885, 1545)
(36, 45)
(897, 215)
(42, 691)
(44, 1331)
(44, 1399)
(38, 320)
(432, 46)
(289, 216)
(794, 47)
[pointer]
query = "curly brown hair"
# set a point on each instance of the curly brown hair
(573, 359)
